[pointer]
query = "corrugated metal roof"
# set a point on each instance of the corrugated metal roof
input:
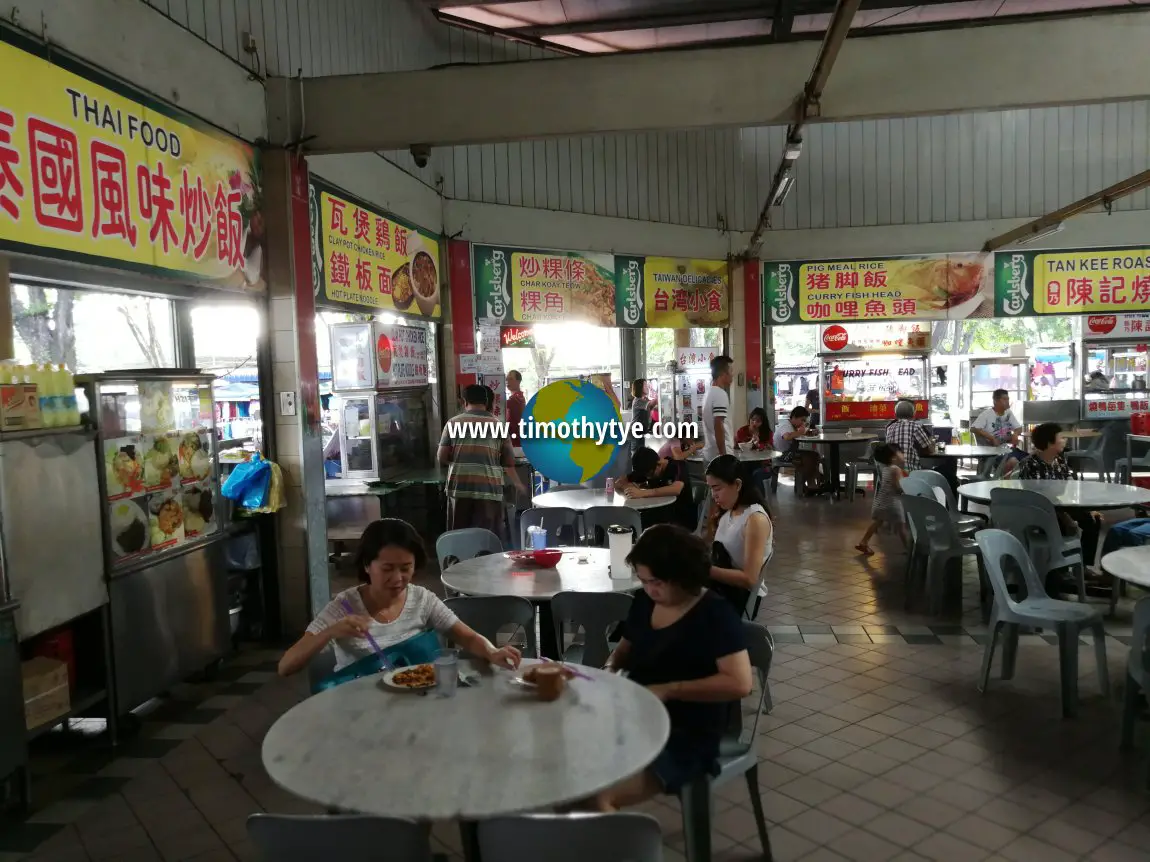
(605, 26)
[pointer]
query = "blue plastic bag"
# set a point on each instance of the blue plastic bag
(248, 483)
(418, 649)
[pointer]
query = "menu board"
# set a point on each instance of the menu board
(400, 355)
(158, 468)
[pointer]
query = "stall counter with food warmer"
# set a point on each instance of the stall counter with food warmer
(163, 549)
(866, 369)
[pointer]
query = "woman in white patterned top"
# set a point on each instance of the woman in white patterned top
(386, 606)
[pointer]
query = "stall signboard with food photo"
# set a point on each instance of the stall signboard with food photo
(515, 285)
(364, 258)
(95, 172)
(1072, 282)
(680, 294)
(921, 287)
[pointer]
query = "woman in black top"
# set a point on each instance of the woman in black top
(685, 644)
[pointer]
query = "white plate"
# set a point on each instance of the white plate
(388, 679)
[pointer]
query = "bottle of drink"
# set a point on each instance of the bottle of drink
(610, 487)
(41, 376)
(72, 408)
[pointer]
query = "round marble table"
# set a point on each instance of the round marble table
(1065, 494)
(492, 749)
(1131, 565)
(835, 439)
(585, 498)
(498, 575)
(749, 455)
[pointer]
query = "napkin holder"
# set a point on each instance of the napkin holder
(619, 542)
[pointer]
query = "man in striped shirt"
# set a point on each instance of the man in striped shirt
(478, 465)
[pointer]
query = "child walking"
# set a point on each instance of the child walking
(886, 508)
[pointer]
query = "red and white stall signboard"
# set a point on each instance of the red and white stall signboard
(886, 337)
(1113, 326)
(843, 411)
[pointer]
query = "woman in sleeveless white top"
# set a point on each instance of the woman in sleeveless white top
(743, 529)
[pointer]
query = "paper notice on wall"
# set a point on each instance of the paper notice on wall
(468, 363)
(495, 384)
(489, 340)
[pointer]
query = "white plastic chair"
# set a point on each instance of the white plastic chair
(965, 521)
(608, 516)
(1032, 519)
(1037, 609)
(305, 838)
(456, 545)
(619, 837)
(1137, 675)
(935, 537)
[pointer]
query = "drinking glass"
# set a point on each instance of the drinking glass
(446, 672)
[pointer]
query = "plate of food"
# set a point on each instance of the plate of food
(195, 465)
(402, 291)
(418, 677)
(424, 277)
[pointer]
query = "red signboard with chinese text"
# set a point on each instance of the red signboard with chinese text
(838, 411)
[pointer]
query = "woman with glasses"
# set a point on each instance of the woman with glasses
(685, 644)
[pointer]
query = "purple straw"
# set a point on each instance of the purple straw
(379, 652)
(574, 672)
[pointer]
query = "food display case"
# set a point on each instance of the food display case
(1116, 345)
(159, 490)
(381, 397)
(983, 375)
(692, 380)
(865, 369)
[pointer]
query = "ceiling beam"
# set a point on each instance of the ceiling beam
(782, 20)
(1028, 64)
(712, 14)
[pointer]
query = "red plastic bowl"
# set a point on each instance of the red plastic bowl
(547, 558)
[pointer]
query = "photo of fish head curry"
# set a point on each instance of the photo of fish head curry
(956, 284)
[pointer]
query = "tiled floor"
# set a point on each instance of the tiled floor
(879, 747)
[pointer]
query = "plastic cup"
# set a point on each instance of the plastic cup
(538, 538)
(446, 672)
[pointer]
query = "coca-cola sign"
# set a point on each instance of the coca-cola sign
(1101, 324)
(834, 337)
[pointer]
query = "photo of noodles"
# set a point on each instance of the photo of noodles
(593, 298)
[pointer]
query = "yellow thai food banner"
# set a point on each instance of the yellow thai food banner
(94, 172)
(362, 257)
(681, 293)
(918, 287)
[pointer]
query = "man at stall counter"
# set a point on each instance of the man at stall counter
(476, 467)
(717, 437)
(516, 404)
(998, 426)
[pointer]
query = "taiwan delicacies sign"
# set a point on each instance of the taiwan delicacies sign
(515, 285)
(921, 287)
(362, 257)
(94, 172)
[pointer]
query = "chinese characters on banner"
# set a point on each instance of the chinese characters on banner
(89, 174)
(1100, 327)
(1117, 409)
(940, 287)
(691, 358)
(530, 286)
(1072, 282)
(680, 294)
(362, 257)
(401, 356)
(875, 337)
(863, 410)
